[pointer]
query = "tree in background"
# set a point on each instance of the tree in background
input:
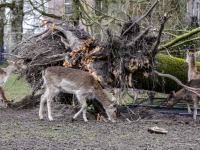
(15, 20)
(2, 18)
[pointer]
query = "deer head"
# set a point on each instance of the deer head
(16, 67)
(112, 112)
(191, 56)
(170, 99)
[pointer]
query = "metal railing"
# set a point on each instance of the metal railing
(2, 57)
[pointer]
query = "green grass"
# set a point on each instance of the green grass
(16, 89)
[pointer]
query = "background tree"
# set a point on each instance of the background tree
(2, 22)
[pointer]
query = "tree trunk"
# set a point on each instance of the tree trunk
(16, 22)
(75, 16)
(2, 15)
(167, 65)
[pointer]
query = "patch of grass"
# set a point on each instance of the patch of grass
(16, 89)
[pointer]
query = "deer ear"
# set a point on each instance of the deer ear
(172, 93)
(188, 53)
(10, 62)
(114, 103)
(20, 61)
(197, 53)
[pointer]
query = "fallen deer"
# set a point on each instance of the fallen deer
(192, 70)
(14, 67)
(183, 94)
(82, 84)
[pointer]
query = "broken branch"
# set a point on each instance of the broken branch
(178, 81)
(138, 20)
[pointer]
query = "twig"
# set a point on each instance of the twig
(125, 117)
(65, 43)
(150, 120)
(36, 35)
(37, 56)
(179, 82)
(48, 63)
(21, 106)
(13, 55)
(130, 110)
(138, 20)
(155, 45)
(58, 55)
(167, 51)
(141, 35)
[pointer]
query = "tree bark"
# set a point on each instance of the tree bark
(16, 21)
(2, 15)
(75, 16)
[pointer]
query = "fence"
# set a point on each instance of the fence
(2, 57)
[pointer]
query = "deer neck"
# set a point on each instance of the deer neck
(192, 66)
(180, 95)
(102, 97)
(8, 70)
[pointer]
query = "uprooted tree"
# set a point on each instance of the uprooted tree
(117, 62)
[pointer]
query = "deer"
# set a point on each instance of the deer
(183, 94)
(192, 70)
(13, 67)
(80, 83)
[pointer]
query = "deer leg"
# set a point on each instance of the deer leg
(195, 109)
(84, 114)
(49, 108)
(82, 100)
(3, 97)
(189, 110)
(49, 99)
(43, 98)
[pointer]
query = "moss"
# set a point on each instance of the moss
(167, 65)
(173, 66)
(10, 5)
(105, 2)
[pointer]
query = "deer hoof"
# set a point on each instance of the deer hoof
(50, 118)
(190, 112)
(86, 121)
(73, 119)
(41, 117)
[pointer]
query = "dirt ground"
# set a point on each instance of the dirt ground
(22, 129)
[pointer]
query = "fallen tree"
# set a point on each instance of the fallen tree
(113, 62)
(166, 64)
(123, 61)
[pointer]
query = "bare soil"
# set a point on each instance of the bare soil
(22, 129)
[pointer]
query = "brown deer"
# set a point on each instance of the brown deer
(82, 84)
(192, 70)
(183, 94)
(14, 67)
